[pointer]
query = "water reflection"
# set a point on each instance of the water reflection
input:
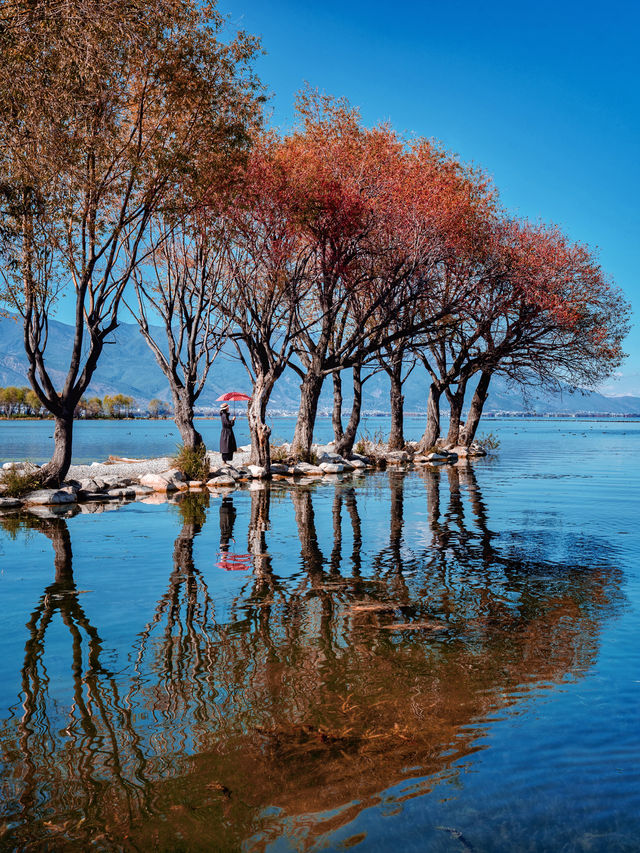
(325, 683)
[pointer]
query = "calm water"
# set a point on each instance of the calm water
(443, 660)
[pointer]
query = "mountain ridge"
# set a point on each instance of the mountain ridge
(128, 366)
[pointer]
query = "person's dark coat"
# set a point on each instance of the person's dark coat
(227, 438)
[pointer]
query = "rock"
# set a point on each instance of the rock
(397, 457)
(10, 503)
(167, 481)
(221, 480)
(88, 485)
(22, 467)
(301, 469)
(195, 484)
(438, 456)
(476, 450)
(121, 493)
(420, 459)
(258, 472)
(277, 468)
(175, 474)
(141, 491)
(329, 456)
(47, 497)
(158, 482)
(230, 471)
(332, 467)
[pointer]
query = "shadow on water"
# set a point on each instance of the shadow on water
(322, 687)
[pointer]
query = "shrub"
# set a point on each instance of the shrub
(488, 442)
(279, 454)
(193, 462)
(17, 482)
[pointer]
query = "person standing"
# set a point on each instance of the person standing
(228, 444)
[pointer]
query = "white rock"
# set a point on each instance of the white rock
(158, 482)
(357, 463)
(306, 469)
(221, 480)
(332, 467)
(258, 472)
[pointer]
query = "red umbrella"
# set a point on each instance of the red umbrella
(233, 395)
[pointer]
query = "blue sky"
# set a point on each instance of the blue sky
(545, 96)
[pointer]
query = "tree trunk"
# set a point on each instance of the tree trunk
(338, 432)
(396, 436)
(432, 431)
(53, 473)
(456, 402)
(345, 445)
(468, 431)
(258, 429)
(309, 396)
(183, 416)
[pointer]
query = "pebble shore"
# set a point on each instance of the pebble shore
(152, 480)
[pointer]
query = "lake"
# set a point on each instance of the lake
(430, 660)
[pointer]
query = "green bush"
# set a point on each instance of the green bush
(193, 462)
(17, 483)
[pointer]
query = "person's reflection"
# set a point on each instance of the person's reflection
(227, 520)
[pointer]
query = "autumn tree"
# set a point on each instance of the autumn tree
(562, 323)
(265, 266)
(369, 206)
(106, 108)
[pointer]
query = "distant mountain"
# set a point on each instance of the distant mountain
(128, 366)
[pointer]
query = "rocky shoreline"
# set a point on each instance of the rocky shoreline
(100, 485)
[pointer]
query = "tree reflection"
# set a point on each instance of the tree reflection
(332, 675)
(72, 749)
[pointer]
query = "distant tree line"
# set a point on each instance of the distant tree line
(135, 171)
(17, 402)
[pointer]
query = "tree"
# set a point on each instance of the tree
(106, 109)
(180, 285)
(94, 407)
(562, 324)
(158, 408)
(265, 268)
